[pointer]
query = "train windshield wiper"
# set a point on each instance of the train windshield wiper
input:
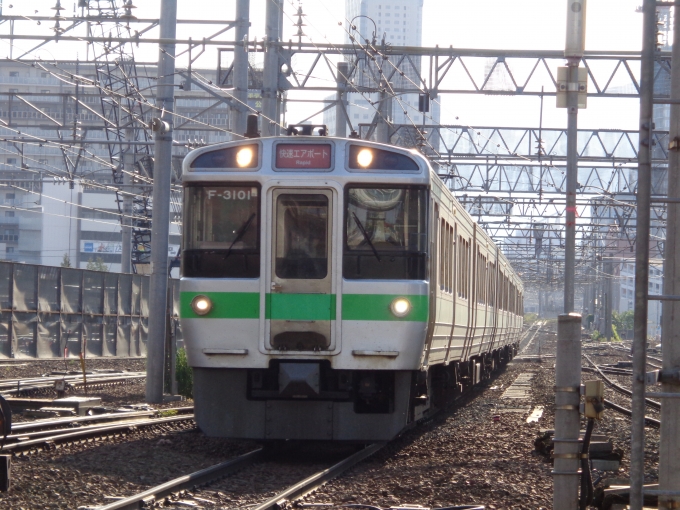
(241, 233)
(365, 234)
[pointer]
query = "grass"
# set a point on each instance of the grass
(184, 375)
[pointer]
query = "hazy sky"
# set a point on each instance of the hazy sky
(492, 24)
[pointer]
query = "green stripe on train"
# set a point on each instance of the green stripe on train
(358, 307)
(300, 307)
(226, 305)
(376, 307)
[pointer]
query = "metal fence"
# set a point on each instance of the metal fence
(51, 312)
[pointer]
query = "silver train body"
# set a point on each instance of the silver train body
(334, 289)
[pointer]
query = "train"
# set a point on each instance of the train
(334, 289)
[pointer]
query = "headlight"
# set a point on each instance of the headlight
(244, 157)
(400, 307)
(364, 158)
(201, 305)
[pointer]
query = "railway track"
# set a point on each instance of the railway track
(177, 488)
(652, 422)
(525, 342)
(33, 385)
(627, 351)
(209, 475)
(43, 435)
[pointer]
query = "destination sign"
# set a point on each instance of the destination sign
(289, 155)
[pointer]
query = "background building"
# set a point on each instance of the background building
(57, 202)
(382, 24)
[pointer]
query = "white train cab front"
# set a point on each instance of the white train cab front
(305, 248)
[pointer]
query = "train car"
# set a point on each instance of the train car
(334, 289)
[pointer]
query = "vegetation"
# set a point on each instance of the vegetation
(97, 265)
(530, 318)
(623, 321)
(184, 375)
(596, 335)
(167, 413)
(589, 319)
(66, 261)
(615, 333)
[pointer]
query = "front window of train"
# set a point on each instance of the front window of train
(221, 231)
(385, 233)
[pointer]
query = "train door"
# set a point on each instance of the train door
(300, 306)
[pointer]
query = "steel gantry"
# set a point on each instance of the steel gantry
(509, 178)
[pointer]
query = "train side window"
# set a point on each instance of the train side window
(448, 258)
(461, 267)
(442, 255)
(492, 280)
(468, 260)
(452, 262)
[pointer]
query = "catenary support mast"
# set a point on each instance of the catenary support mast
(568, 356)
(158, 286)
(238, 111)
(271, 102)
(128, 168)
(637, 450)
(669, 449)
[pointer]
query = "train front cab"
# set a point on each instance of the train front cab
(317, 300)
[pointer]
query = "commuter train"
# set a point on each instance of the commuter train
(334, 289)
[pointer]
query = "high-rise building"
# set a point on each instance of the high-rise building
(399, 22)
(381, 24)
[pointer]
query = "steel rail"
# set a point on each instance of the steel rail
(652, 422)
(208, 475)
(18, 387)
(50, 434)
(627, 351)
(204, 476)
(539, 325)
(92, 431)
(315, 481)
(42, 424)
(9, 383)
(651, 403)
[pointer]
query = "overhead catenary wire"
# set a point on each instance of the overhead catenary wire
(440, 104)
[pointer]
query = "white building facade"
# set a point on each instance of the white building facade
(384, 23)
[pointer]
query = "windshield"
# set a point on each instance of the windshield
(221, 231)
(385, 233)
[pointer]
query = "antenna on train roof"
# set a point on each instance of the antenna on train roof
(251, 127)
